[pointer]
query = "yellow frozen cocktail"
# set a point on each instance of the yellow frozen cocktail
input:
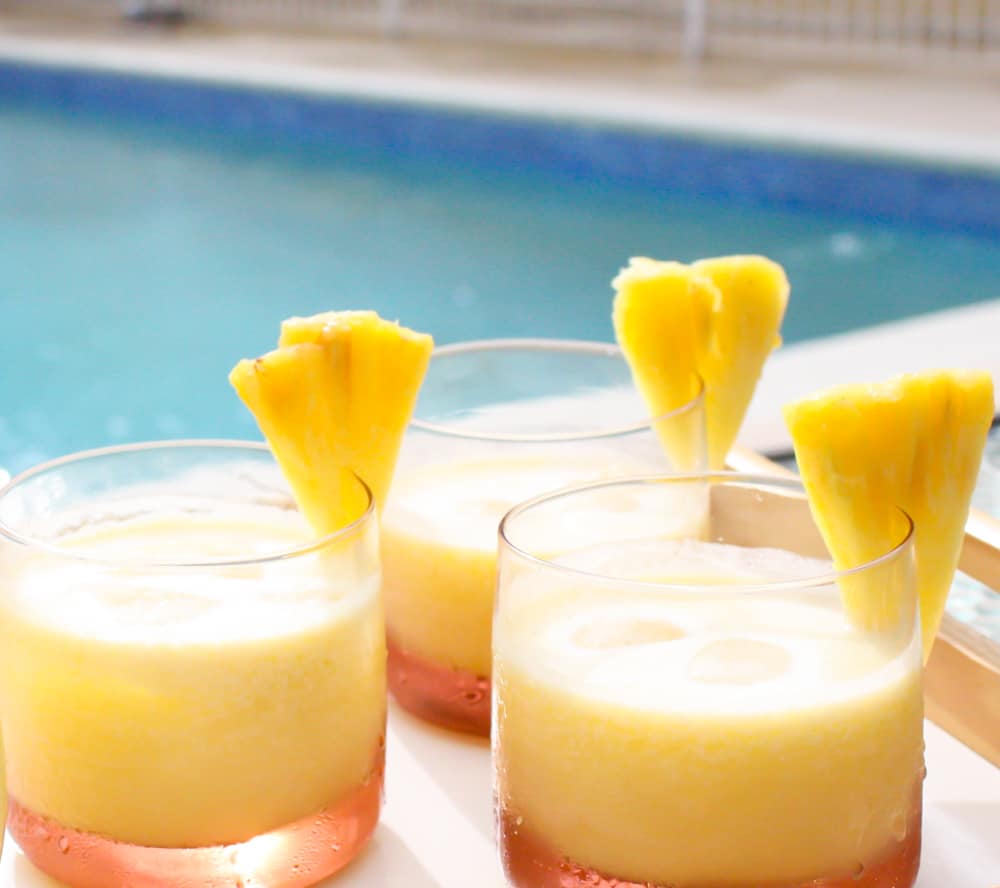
(738, 706)
(192, 682)
(498, 423)
(501, 421)
(697, 709)
(192, 642)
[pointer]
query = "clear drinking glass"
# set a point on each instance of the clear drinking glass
(498, 422)
(192, 684)
(688, 695)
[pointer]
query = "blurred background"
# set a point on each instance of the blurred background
(958, 31)
(177, 176)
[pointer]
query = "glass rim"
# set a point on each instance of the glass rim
(788, 484)
(564, 346)
(216, 444)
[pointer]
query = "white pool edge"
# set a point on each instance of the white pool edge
(965, 337)
(492, 94)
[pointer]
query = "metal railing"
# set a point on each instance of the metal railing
(873, 30)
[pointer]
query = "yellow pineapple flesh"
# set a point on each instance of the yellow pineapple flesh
(715, 321)
(753, 294)
(295, 394)
(914, 442)
(335, 398)
(661, 316)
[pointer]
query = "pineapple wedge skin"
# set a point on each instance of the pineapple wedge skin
(384, 365)
(661, 315)
(914, 442)
(753, 296)
(717, 320)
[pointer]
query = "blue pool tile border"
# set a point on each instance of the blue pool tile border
(893, 190)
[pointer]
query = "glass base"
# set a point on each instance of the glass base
(294, 856)
(530, 863)
(451, 698)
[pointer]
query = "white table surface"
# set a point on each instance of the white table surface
(436, 829)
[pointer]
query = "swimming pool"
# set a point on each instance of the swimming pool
(154, 232)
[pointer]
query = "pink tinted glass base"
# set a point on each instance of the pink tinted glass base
(530, 863)
(452, 698)
(294, 856)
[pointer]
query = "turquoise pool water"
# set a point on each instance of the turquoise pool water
(140, 260)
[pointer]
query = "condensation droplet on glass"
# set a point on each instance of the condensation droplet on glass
(859, 871)
(64, 844)
(897, 825)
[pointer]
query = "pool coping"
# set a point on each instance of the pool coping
(512, 101)
(312, 110)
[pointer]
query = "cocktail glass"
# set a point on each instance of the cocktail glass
(498, 422)
(688, 695)
(192, 684)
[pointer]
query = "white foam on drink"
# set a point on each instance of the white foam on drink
(661, 559)
(699, 648)
(117, 599)
(457, 489)
(590, 411)
(462, 502)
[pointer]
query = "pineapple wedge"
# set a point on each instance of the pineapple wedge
(753, 297)
(915, 442)
(295, 396)
(335, 397)
(662, 316)
(719, 326)
(327, 326)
